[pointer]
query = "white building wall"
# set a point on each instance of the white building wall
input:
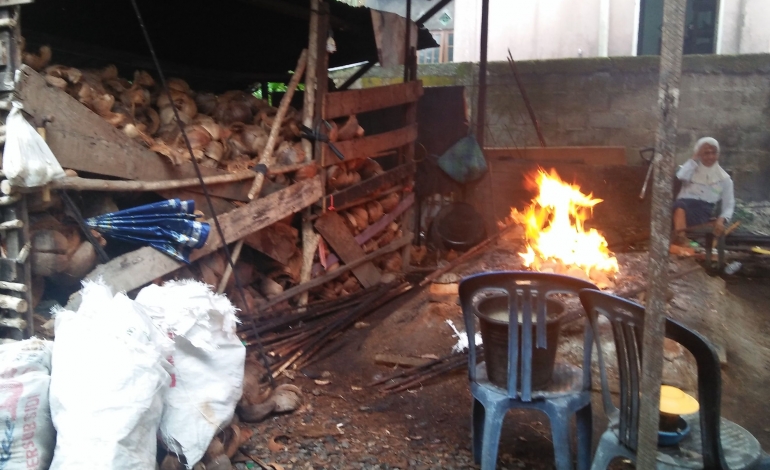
(550, 29)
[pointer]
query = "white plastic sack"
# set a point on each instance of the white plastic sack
(26, 432)
(27, 160)
(208, 363)
(107, 384)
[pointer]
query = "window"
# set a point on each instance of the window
(441, 54)
(700, 27)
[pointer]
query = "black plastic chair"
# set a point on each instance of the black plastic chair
(713, 443)
(568, 394)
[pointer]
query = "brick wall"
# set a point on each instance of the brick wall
(613, 101)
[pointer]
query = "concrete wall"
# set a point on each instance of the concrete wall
(547, 29)
(613, 101)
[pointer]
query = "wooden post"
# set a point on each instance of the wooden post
(322, 86)
(309, 238)
(660, 229)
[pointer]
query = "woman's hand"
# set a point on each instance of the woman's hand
(719, 226)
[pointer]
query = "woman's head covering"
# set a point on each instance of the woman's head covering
(708, 174)
(706, 141)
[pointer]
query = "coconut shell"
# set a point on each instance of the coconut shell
(208, 123)
(370, 246)
(375, 211)
(370, 168)
(48, 264)
(37, 61)
(392, 262)
(57, 82)
(386, 238)
(270, 288)
(50, 241)
(289, 153)
(171, 462)
(150, 118)
(177, 84)
(361, 215)
(351, 284)
(176, 155)
(390, 202)
(349, 130)
(305, 173)
(215, 151)
(198, 136)
(230, 110)
(82, 261)
(135, 97)
(206, 102)
(143, 78)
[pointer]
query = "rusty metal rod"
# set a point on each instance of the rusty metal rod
(525, 97)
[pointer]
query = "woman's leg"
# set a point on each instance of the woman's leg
(680, 225)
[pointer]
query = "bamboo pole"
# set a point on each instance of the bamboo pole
(229, 268)
(310, 239)
(662, 195)
(75, 183)
(267, 154)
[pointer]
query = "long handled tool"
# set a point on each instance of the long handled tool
(651, 150)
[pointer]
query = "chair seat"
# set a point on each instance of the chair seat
(566, 380)
(741, 449)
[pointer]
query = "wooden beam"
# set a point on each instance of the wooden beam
(365, 188)
(333, 229)
(139, 267)
(586, 155)
(370, 145)
(83, 141)
(345, 103)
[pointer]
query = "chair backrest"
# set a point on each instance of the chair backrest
(527, 293)
(627, 319)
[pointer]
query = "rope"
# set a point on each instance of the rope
(179, 122)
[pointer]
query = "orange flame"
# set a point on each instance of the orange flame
(554, 228)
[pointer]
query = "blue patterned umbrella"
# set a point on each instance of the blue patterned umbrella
(168, 226)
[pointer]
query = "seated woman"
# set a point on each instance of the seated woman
(704, 183)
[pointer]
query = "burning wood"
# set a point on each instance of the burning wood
(556, 239)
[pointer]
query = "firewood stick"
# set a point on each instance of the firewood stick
(267, 154)
(88, 184)
(289, 293)
(229, 269)
(466, 256)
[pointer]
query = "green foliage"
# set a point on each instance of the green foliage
(275, 87)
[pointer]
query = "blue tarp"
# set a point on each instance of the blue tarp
(168, 226)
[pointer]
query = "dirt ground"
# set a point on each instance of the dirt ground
(346, 424)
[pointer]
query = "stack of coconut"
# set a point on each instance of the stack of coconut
(227, 131)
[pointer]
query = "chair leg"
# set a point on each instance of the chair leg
(560, 432)
(584, 431)
(493, 424)
(477, 429)
(602, 459)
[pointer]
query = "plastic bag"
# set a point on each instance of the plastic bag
(27, 435)
(27, 160)
(208, 363)
(109, 375)
(464, 162)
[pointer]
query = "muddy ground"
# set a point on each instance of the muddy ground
(347, 424)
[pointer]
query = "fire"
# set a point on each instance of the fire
(554, 228)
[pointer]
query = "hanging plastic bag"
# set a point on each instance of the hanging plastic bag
(27, 436)
(464, 162)
(208, 363)
(108, 379)
(27, 160)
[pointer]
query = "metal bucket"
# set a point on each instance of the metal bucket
(492, 312)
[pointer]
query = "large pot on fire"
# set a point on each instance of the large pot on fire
(491, 309)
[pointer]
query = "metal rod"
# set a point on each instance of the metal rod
(407, 40)
(481, 107)
(525, 97)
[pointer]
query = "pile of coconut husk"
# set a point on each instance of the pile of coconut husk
(227, 131)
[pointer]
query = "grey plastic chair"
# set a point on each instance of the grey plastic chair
(570, 392)
(713, 443)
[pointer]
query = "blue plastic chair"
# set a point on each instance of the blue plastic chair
(713, 443)
(570, 391)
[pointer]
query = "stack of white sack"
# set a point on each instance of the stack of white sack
(27, 434)
(208, 363)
